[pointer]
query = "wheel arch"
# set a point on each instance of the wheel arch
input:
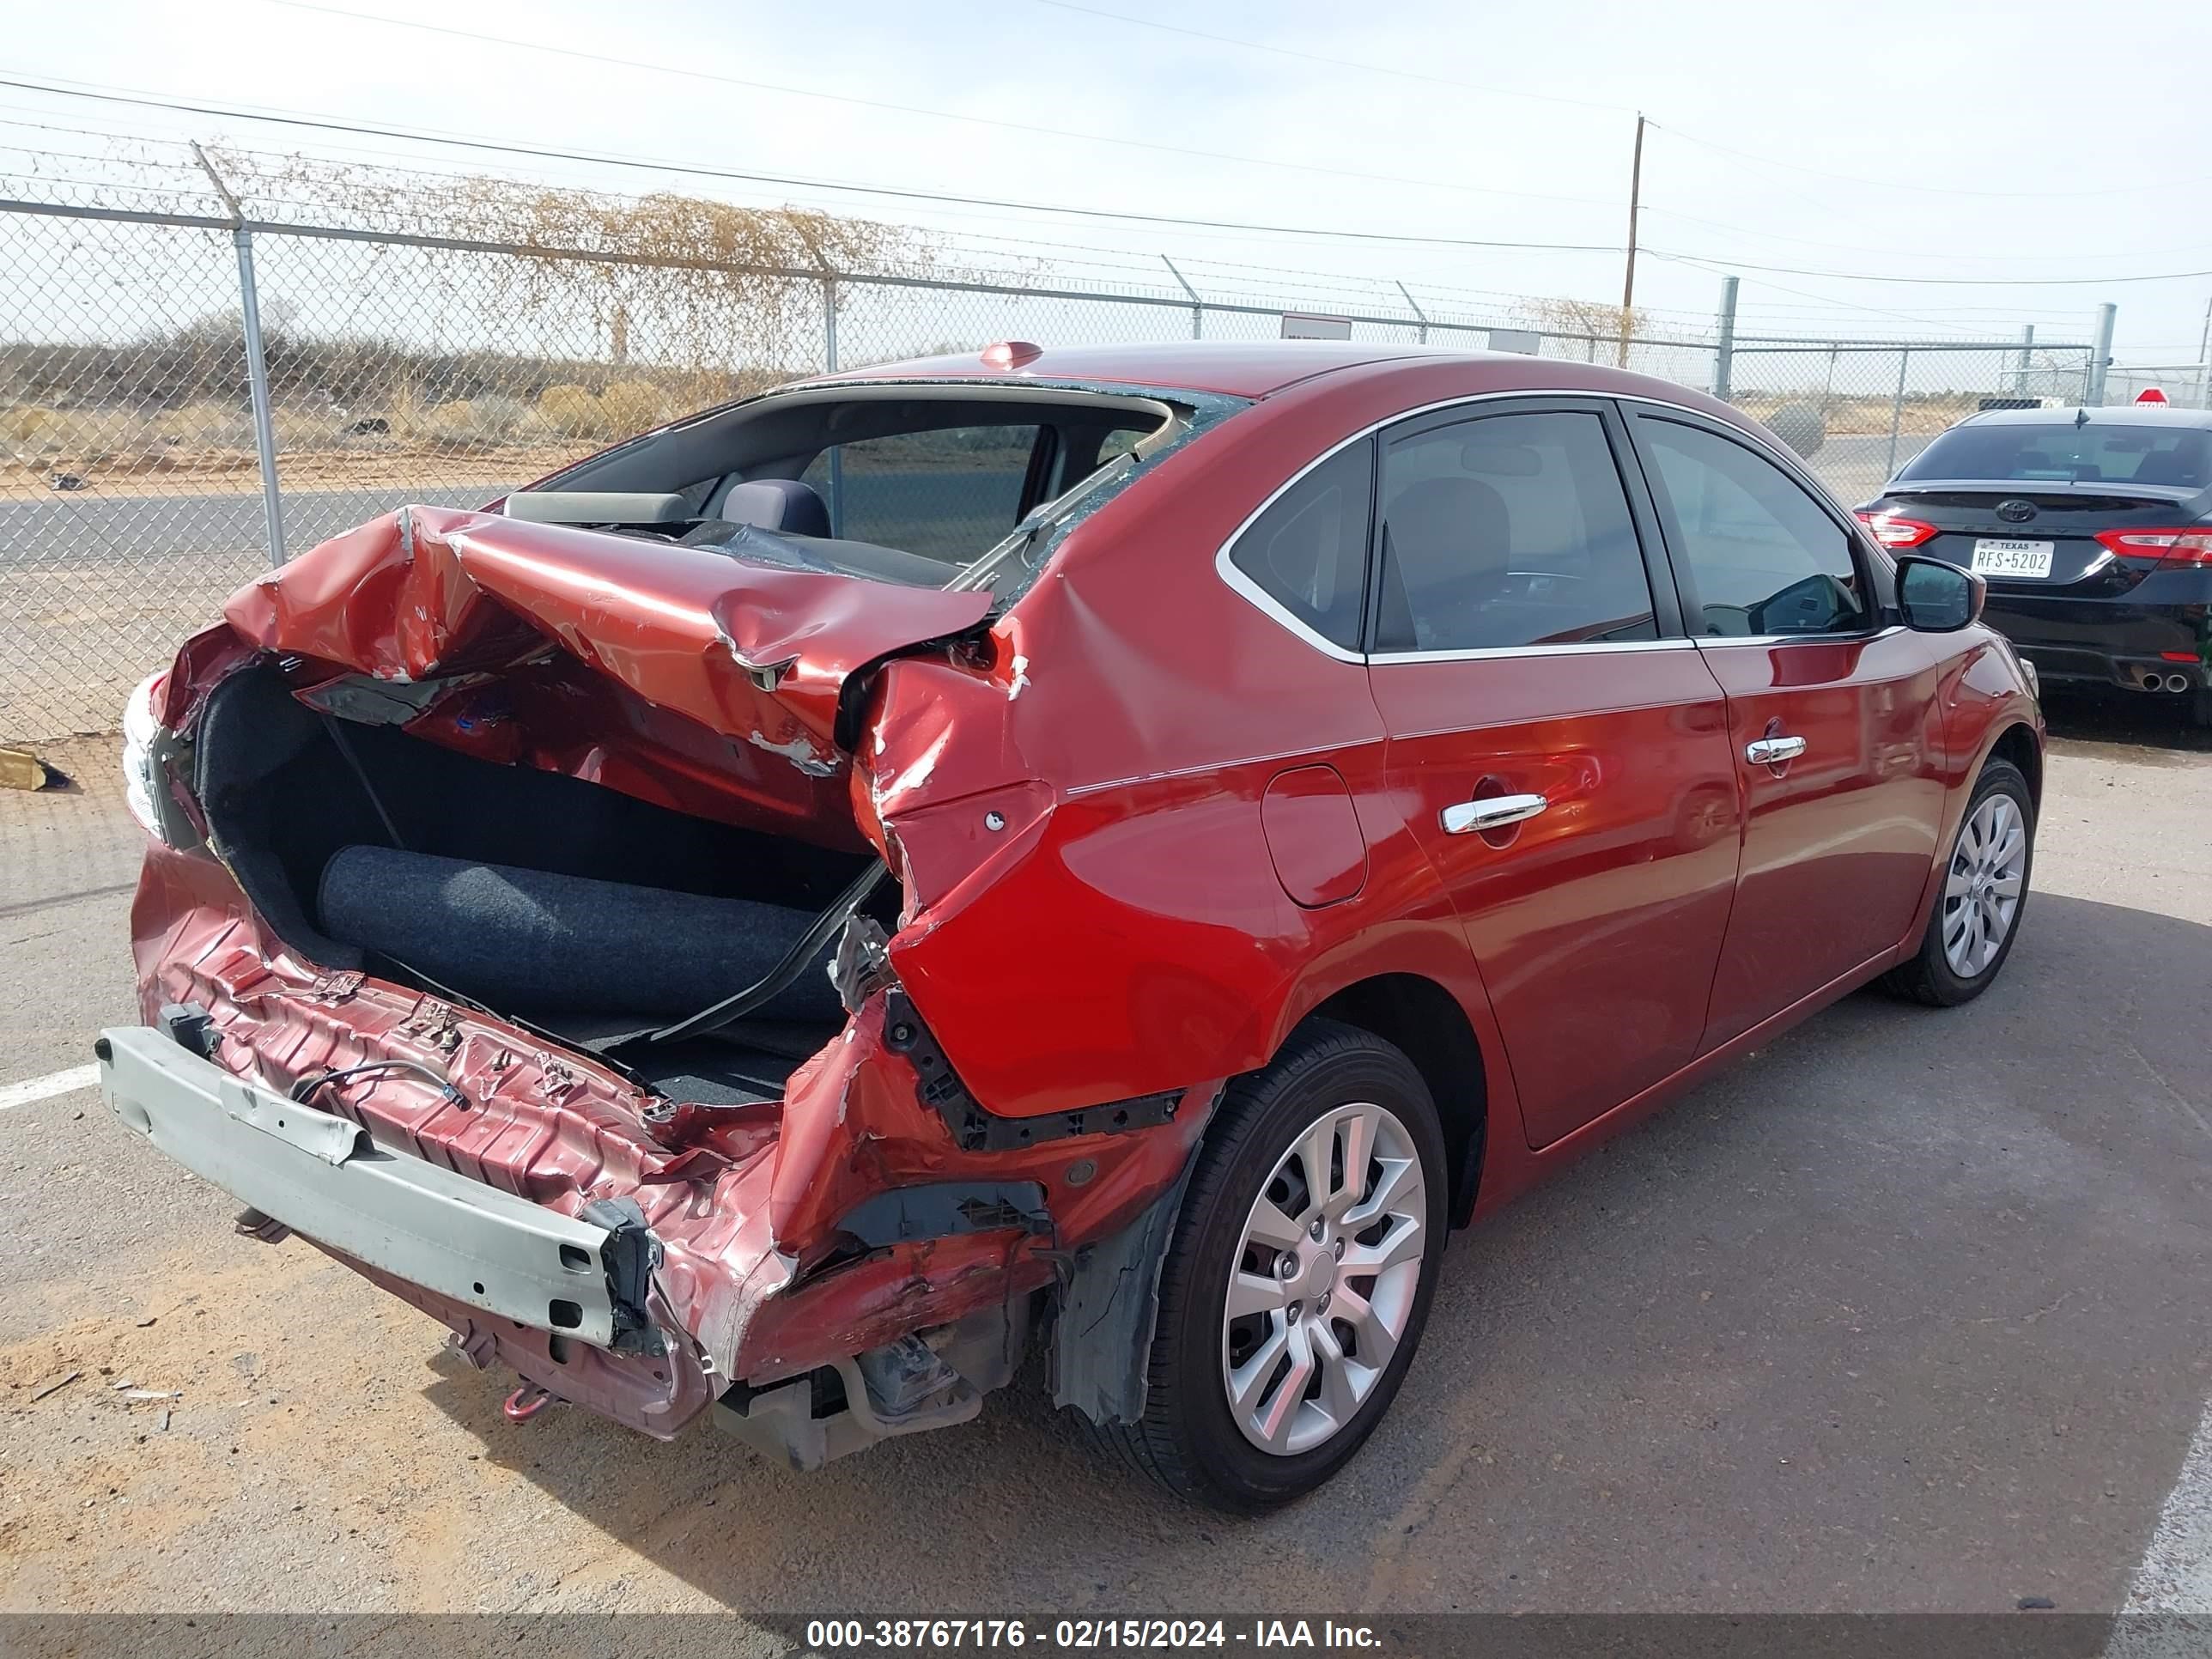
(2018, 743)
(1425, 1021)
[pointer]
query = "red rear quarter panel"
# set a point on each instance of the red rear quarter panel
(1133, 933)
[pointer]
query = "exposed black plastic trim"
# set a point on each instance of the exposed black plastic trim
(942, 1208)
(979, 1130)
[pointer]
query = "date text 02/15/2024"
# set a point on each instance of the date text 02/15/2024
(1083, 1635)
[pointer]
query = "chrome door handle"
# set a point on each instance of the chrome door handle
(1491, 812)
(1772, 752)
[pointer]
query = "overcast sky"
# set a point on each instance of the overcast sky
(1920, 138)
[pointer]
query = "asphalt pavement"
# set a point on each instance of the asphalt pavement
(1906, 1312)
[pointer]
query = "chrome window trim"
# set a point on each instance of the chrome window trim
(1577, 648)
(1266, 601)
(1711, 641)
(1258, 597)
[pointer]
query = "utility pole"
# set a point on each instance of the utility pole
(1635, 201)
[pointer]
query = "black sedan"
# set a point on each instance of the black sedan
(2093, 527)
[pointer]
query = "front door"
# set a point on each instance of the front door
(1562, 753)
(1833, 717)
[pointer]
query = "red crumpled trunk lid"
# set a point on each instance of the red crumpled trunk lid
(753, 651)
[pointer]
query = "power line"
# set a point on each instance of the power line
(692, 170)
(1859, 247)
(514, 44)
(1901, 184)
(1942, 282)
(293, 119)
(1871, 311)
(1494, 90)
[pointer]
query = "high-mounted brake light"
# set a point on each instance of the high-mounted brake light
(1894, 530)
(2188, 547)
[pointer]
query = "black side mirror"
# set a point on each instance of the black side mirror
(1937, 598)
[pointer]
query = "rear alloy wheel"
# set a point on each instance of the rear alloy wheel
(1298, 1279)
(1977, 912)
(1325, 1279)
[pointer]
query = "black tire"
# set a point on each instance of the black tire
(1187, 1439)
(2200, 707)
(1929, 976)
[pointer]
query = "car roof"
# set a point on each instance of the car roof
(1237, 368)
(2094, 415)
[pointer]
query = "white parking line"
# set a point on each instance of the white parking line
(45, 1088)
(2176, 1574)
(2173, 1585)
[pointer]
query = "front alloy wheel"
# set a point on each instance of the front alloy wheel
(1976, 915)
(1982, 891)
(1292, 1294)
(1325, 1276)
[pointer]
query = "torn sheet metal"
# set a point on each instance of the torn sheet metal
(745, 648)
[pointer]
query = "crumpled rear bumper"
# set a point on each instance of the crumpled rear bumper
(315, 1172)
(753, 1280)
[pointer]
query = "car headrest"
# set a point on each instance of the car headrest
(1444, 528)
(783, 504)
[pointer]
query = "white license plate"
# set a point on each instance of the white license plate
(2002, 558)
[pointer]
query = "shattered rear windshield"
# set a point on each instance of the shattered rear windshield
(942, 506)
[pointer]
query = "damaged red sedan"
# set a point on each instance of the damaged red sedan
(1109, 851)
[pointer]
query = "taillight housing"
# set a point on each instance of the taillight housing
(1894, 530)
(143, 783)
(2189, 546)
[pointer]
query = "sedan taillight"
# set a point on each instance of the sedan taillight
(2187, 547)
(142, 782)
(1894, 530)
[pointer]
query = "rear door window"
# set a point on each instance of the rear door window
(948, 493)
(1762, 555)
(1508, 530)
(2059, 451)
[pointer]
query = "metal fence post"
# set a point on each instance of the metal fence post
(837, 451)
(2100, 356)
(2026, 358)
(257, 381)
(257, 361)
(1897, 412)
(1197, 305)
(1418, 312)
(1724, 353)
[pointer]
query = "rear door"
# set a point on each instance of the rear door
(1834, 724)
(1561, 751)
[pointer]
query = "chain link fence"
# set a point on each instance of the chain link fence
(407, 364)
(2184, 385)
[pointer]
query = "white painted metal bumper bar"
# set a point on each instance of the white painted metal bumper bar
(323, 1177)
